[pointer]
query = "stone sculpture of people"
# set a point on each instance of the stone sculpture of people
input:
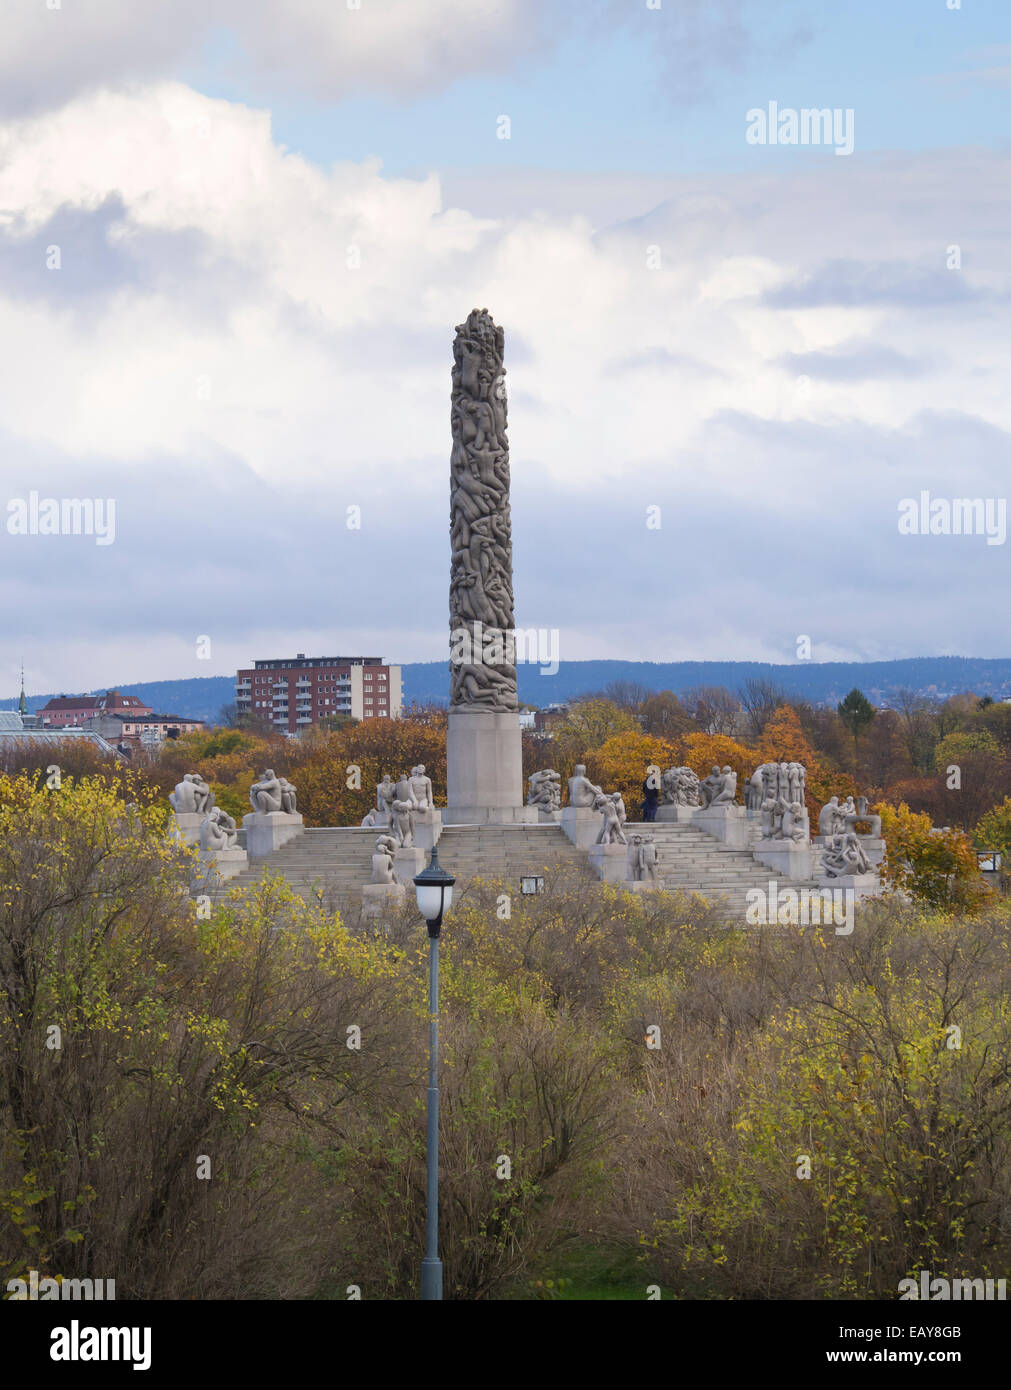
(772, 817)
(843, 854)
(642, 859)
(289, 796)
(404, 792)
(382, 860)
(611, 832)
(545, 790)
(795, 823)
(619, 802)
(582, 791)
(184, 798)
(385, 793)
(218, 830)
(421, 788)
(681, 787)
(369, 819)
(403, 823)
(709, 786)
(265, 795)
(725, 791)
(830, 818)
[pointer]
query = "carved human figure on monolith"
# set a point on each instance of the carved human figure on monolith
(481, 619)
(382, 860)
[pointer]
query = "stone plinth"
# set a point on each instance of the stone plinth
(407, 863)
(610, 862)
(484, 769)
(729, 824)
(679, 815)
(636, 885)
(790, 857)
(267, 831)
(581, 824)
(546, 817)
(427, 828)
(861, 885)
(217, 865)
(380, 898)
(185, 826)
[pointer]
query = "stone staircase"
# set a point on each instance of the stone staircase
(330, 865)
(690, 861)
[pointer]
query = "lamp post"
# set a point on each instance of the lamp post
(434, 888)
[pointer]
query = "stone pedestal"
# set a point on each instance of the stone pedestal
(484, 769)
(861, 885)
(729, 824)
(217, 865)
(636, 885)
(609, 862)
(267, 831)
(581, 824)
(790, 857)
(427, 828)
(185, 826)
(380, 898)
(679, 815)
(547, 817)
(407, 863)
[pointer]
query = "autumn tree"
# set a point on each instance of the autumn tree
(713, 708)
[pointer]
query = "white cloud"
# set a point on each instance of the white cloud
(206, 336)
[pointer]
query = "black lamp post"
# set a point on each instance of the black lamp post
(434, 888)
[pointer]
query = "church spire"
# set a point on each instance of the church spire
(22, 703)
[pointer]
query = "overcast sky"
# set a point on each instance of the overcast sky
(268, 219)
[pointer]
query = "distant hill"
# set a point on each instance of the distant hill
(825, 682)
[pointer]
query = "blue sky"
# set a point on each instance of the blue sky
(602, 96)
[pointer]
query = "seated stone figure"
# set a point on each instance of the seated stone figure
(369, 819)
(831, 818)
(582, 791)
(725, 792)
(421, 788)
(795, 823)
(183, 799)
(709, 786)
(288, 796)
(382, 860)
(265, 795)
(218, 830)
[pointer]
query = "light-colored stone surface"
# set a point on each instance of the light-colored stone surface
(609, 862)
(267, 831)
(185, 826)
(484, 769)
(581, 824)
(789, 858)
(679, 815)
(427, 828)
(380, 898)
(728, 824)
(863, 885)
(407, 863)
(219, 865)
